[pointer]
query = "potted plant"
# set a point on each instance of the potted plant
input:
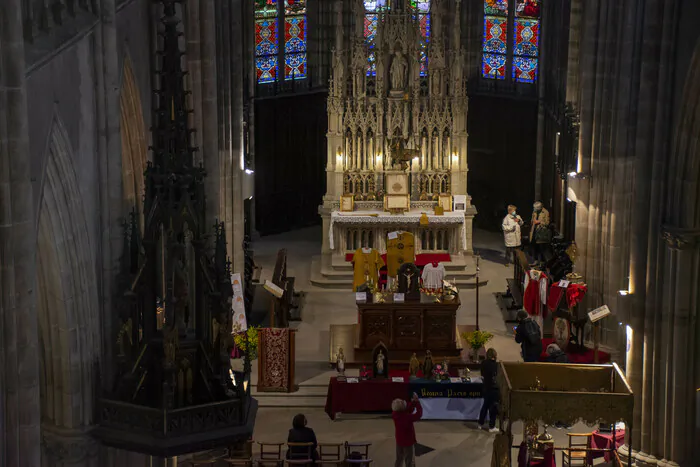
(249, 345)
(476, 340)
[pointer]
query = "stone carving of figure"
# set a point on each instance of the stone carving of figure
(380, 363)
(427, 364)
(398, 72)
(413, 366)
(340, 362)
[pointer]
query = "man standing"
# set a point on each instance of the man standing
(527, 334)
(540, 235)
(511, 233)
(404, 415)
(490, 393)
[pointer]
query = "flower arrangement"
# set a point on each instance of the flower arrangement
(440, 373)
(477, 339)
(250, 345)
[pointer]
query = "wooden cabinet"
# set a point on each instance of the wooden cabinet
(412, 326)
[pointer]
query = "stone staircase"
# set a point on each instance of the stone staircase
(340, 276)
(308, 396)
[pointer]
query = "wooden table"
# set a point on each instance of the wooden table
(412, 326)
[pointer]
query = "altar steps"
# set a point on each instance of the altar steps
(308, 396)
(340, 276)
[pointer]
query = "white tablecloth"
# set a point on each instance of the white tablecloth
(451, 408)
(385, 218)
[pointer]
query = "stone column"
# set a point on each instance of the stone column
(19, 352)
(63, 447)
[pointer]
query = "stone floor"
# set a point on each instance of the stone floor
(451, 443)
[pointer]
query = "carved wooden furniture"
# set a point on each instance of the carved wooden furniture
(276, 360)
(414, 326)
(577, 453)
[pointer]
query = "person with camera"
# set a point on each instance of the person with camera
(528, 335)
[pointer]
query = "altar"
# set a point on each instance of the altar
(397, 140)
(407, 327)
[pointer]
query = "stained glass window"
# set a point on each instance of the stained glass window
(370, 32)
(269, 41)
(524, 39)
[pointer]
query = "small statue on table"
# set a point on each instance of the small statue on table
(380, 361)
(428, 364)
(445, 367)
(413, 367)
(340, 362)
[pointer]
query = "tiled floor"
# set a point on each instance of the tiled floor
(453, 443)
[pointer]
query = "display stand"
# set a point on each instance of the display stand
(276, 358)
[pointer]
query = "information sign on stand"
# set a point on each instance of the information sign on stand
(361, 297)
(564, 284)
(599, 313)
(595, 316)
(398, 298)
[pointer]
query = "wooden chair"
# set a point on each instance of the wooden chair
(302, 454)
(329, 454)
(577, 453)
(240, 454)
(239, 462)
(270, 455)
(360, 448)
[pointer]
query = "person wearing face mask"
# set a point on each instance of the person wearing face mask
(539, 231)
(511, 233)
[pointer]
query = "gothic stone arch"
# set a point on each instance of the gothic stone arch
(68, 308)
(134, 143)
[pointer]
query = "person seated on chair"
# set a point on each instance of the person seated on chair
(528, 335)
(300, 433)
(556, 355)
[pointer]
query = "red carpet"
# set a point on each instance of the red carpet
(575, 356)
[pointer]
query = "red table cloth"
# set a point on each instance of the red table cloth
(366, 396)
(604, 441)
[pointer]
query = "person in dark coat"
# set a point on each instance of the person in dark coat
(528, 335)
(300, 433)
(490, 393)
(556, 354)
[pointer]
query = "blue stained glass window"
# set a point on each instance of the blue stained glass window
(525, 69)
(269, 43)
(375, 5)
(372, 64)
(295, 66)
(495, 34)
(370, 28)
(494, 66)
(266, 68)
(522, 44)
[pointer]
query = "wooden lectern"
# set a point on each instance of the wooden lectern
(276, 357)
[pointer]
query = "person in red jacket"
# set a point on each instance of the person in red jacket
(404, 415)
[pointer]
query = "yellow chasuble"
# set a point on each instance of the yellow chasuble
(399, 250)
(366, 265)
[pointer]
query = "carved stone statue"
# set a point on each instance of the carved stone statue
(340, 362)
(380, 363)
(123, 336)
(399, 66)
(413, 366)
(427, 364)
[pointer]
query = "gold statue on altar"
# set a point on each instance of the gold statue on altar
(400, 155)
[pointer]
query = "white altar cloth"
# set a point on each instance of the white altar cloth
(385, 218)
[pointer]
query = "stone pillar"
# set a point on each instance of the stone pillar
(61, 447)
(19, 352)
